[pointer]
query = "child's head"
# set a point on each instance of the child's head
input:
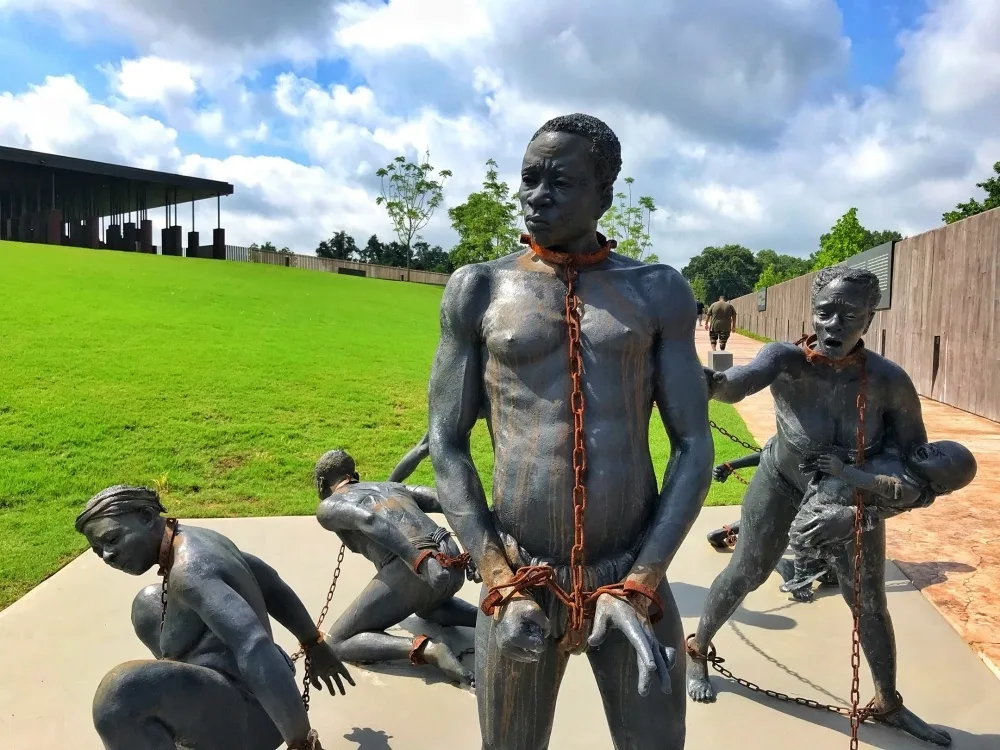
(946, 465)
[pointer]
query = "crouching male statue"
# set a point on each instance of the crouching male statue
(219, 681)
(566, 346)
(419, 567)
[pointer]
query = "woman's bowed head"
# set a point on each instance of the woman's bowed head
(124, 527)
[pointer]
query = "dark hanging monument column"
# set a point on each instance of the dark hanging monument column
(218, 234)
(193, 247)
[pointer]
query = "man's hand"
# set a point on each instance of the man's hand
(522, 630)
(830, 464)
(652, 657)
(832, 526)
(434, 575)
(713, 380)
(722, 472)
(324, 663)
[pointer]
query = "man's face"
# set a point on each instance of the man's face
(840, 318)
(559, 194)
(127, 543)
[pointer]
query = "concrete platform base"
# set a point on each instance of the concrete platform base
(60, 640)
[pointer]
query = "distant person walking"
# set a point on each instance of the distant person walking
(721, 319)
(701, 311)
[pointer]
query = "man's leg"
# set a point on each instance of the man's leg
(393, 595)
(152, 704)
(877, 638)
(723, 340)
(517, 700)
(713, 339)
(452, 613)
(653, 722)
(767, 514)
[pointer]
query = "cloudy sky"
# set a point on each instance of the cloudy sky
(749, 121)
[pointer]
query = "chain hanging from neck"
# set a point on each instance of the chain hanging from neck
(166, 561)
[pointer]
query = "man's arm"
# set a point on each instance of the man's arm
(236, 624)
(745, 462)
(736, 383)
(409, 463)
(340, 514)
(426, 498)
(282, 603)
(455, 400)
(682, 400)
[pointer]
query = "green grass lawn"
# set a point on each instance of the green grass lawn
(220, 383)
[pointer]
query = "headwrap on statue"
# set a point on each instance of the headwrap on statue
(119, 501)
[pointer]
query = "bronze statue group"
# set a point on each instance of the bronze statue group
(563, 348)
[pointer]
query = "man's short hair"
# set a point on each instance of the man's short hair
(333, 465)
(864, 278)
(604, 146)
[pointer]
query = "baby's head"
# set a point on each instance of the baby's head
(945, 465)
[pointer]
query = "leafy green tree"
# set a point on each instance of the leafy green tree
(730, 270)
(629, 223)
(778, 268)
(269, 247)
(340, 246)
(372, 252)
(973, 207)
(847, 238)
(410, 193)
(486, 223)
(427, 258)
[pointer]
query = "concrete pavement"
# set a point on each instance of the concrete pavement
(58, 641)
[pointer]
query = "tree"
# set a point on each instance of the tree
(847, 238)
(777, 268)
(268, 247)
(973, 207)
(426, 258)
(410, 195)
(340, 246)
(731, 270)
(629, 224)
(486, 223)
(372, 252)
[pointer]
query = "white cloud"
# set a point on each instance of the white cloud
(154, 80)
(732, 115)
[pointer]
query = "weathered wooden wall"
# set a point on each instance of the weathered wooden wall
(945, 288)
(313, 263)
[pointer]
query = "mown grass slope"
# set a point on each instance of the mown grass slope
(220, 383)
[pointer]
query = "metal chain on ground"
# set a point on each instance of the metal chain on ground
(307, 670)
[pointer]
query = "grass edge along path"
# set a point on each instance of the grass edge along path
(219, 383)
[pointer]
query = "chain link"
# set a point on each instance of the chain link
(862, 404)
(723, 431)
(577, 594)
(303, 651)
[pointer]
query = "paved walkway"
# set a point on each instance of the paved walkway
(950, 551)
(58, 641)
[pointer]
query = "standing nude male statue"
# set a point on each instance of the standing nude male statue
(567, 346)
(816, 388)
(420, 567)
(219, 681)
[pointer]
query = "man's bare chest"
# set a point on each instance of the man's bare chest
(528, 322)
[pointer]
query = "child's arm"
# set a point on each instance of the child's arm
(722, 472)
(901, 494)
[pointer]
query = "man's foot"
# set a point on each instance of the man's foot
(720, 537)
(907, 721)
(699, 687)
(441, 656)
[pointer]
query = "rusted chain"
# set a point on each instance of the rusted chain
(304, 650)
